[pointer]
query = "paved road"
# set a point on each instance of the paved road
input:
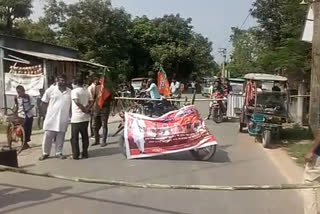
(238, 161)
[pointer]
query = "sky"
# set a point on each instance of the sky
(211, 18)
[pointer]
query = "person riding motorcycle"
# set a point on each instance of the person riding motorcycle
(217, 92)
(153, 92)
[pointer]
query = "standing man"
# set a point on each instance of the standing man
(58, 100)
(193, 86)
(175, 89)
(24, 105)
(92, 90)
(81, 107)
(311, 174)
(100, 118)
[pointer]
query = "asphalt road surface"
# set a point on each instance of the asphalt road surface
(238, 161)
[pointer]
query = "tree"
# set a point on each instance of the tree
(131, 47)
(39, 31)
(170, 41)
(11, 10)
(279, 31)
(93, 27)
(246, 49)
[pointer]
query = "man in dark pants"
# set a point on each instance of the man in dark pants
(92, 89)
(100, 119)
(24, 105)
(81, 105)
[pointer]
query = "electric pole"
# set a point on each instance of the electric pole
(315, 70)
(223, 52)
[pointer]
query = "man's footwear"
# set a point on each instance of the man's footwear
(103, 144)
(75, 158)
(43, 157)
(208, 118)
(95, 144)
(25, 146)
(84, 156)
(61, 156)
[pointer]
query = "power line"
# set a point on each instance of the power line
(246, 19)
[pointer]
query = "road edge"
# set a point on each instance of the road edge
(286, 166)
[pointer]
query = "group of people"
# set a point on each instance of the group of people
(78, 106)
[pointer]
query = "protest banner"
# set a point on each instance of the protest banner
(176, 131)
(31, 83)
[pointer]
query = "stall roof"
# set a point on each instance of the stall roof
(265, 77)
(52, 57)
(236, 79)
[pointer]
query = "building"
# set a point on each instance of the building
(34, 65)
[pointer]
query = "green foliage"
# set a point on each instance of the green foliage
(10, 11)
(275, 43)
(131, 47)
(171, 42)
(39, 31)
(246, 49)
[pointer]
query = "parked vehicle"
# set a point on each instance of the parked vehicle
(265, 110)
(137, 83)
(235, 99)
(205, 86)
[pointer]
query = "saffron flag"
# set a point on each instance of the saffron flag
(163, 83)
(104, 93)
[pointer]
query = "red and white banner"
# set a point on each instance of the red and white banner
(176, 131)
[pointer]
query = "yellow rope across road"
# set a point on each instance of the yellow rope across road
(164, 186)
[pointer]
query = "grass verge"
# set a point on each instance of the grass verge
(297, 141)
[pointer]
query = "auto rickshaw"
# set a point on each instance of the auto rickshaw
(235, 98)
(266, 106)
(205, 86)
(137, 83)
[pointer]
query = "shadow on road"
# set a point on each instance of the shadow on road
(221, 156)
(14, 196)
(40, 197)
(102, 152)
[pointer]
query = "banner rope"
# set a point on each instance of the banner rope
(163, 186)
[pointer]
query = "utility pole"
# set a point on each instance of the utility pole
(315, 70)
(223, 52)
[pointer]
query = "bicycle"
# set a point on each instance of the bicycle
(15, 131)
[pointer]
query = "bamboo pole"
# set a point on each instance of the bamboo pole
(163, 186)
(159, 100)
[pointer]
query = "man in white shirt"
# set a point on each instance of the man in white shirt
(175, 88)
(58, 100)
(81, 106)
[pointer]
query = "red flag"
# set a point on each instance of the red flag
(104, 93)
(163, 84)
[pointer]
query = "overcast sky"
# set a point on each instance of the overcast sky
(212, 18)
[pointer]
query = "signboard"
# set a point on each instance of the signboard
(308, 28)
(31, 83)
(176, 131)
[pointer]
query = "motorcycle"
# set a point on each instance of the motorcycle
(217, 108)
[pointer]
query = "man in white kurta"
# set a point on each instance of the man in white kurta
(58, 99)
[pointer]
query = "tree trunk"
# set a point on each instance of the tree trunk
(315, 71)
